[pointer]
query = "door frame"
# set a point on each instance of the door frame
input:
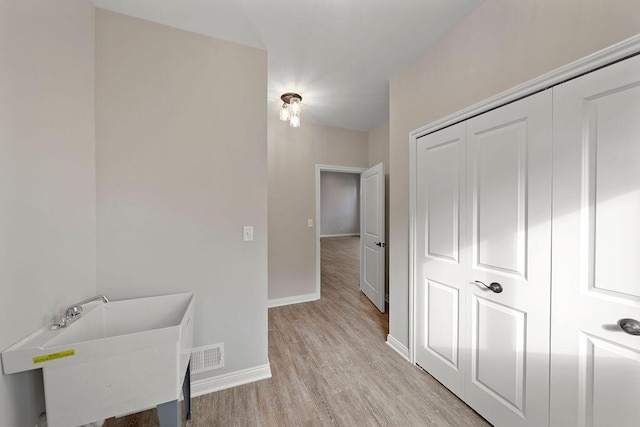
(319, 170)
(604, 57)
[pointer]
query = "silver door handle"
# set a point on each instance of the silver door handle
(379, 244)
(495, 286)
(630, 326)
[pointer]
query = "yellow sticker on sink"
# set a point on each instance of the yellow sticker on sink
(54, 356)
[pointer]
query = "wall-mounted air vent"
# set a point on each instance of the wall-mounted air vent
(207, 358)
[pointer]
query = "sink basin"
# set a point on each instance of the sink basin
(117, 358)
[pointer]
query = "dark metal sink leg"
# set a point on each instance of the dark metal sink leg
(169, 414)
(186, 392)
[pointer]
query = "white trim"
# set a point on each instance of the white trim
(587, 64)
(413, 143)
(398, 347)
(232, 379)
(296, 299)
(326, 168)
(340, 235)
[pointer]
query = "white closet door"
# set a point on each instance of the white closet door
(440, 255)
(595, 378)
(509, 242)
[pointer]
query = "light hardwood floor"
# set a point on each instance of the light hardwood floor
(330, 366)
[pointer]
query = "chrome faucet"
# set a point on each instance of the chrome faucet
(74, 311)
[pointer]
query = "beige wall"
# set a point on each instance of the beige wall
(379, 146)
(293, 156)
(379, 153)
(47, 177)
(501, 44)
(181, 140)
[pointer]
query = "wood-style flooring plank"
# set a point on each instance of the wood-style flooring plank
(330, 366)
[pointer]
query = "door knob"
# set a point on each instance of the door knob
(630, 326)
(379, 244)
(495, 286)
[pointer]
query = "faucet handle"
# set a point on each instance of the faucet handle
(73, 312)
(62, 324)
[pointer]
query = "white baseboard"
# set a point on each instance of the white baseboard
(296, 299)
(339, 235)
(399, 348)
(232, 379)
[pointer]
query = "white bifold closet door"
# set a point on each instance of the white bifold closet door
(509, 242)
(441, 255)
(595, 378)
(483, 239)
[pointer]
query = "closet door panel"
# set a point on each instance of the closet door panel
(499, 198)
(443, 200)
(440, 256)
(595, 376)
(509, 240)
(499, 372)
(615, 187)
(442, 334)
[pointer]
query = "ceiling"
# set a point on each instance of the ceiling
(338, 54)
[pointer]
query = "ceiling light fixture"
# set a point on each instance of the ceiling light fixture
(291, 109)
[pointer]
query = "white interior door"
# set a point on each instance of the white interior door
(509, 242)
(440, 256)
(372, 244)
(595, 378)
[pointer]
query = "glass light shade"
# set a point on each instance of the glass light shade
(294, 106)
(294, 122)
(284, 112)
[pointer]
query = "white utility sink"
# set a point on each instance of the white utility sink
(116, 358)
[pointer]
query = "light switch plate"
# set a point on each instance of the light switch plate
(247, 233)
(309, 222)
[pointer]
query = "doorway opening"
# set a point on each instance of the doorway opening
(337, 191)
(350, 218)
